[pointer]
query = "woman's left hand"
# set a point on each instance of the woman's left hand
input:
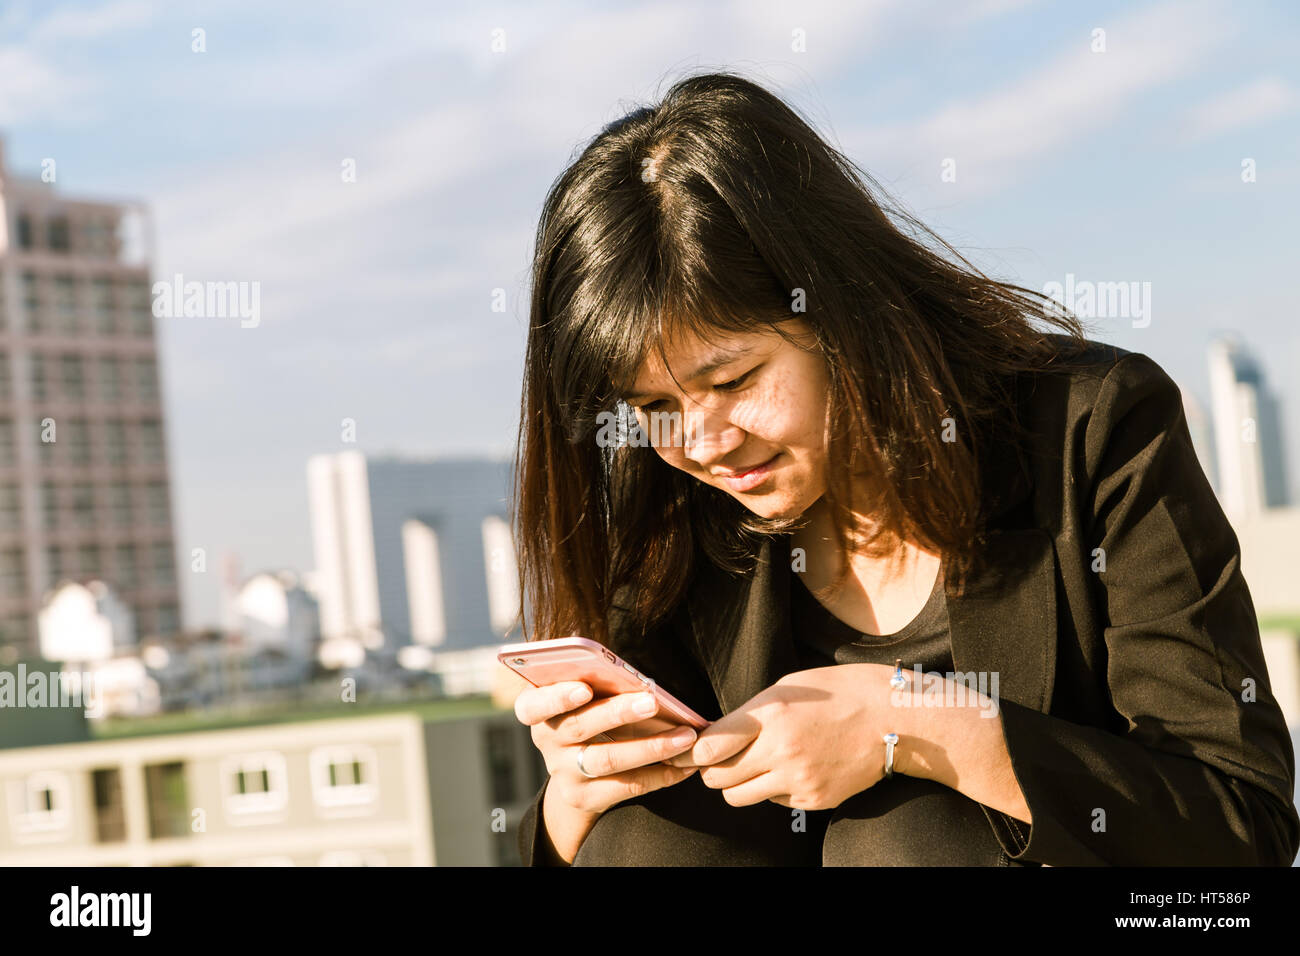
(810, 741)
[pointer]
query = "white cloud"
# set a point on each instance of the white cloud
(90, 24)
(28, 86)
(992, 136)
(38, 77)
(1247, 105)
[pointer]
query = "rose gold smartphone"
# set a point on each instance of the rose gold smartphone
(577, 658)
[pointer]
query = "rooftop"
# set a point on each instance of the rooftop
(184, 723)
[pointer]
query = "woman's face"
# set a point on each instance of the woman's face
(747, 400)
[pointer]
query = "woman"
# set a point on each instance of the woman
(952, 589)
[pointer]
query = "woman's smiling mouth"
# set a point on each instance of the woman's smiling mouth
(752, 478)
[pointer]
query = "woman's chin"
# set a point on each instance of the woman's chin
(772, 506)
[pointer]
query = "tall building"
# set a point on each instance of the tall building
(1247, 432)
(412, 552)
(84, 489)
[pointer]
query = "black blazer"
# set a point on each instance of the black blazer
(1120, 690)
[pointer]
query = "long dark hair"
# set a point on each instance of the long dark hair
(722, 210)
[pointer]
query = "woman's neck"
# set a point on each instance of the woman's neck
(908, 565)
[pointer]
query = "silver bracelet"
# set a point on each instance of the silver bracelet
(897, 682)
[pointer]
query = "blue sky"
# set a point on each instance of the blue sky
(1123, 165)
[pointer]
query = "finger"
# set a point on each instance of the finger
(604, 792)
(604, 760)
(608, 713)
(543, 703)
(746, 765)
(716, 746)
(753, 791)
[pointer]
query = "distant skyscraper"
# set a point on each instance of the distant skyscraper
(1247, 432)
(412, 552)
(83, 466)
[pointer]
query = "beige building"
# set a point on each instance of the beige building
(439, 784)
(83, 466)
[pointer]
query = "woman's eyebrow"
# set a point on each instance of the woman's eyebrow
(714, 362)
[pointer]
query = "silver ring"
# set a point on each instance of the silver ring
(581, 769)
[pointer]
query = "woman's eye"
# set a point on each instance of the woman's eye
(735, 382)
(723, 386)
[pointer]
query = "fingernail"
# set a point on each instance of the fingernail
(646, 705)
(683, 737)
(579, 695)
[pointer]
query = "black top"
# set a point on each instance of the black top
(822, 639)
(891, 816)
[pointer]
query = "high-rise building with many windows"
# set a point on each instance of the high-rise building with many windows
(84, 491)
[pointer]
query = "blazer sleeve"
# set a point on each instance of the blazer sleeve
(531, 836)
(1204, 773)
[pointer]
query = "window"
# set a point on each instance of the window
(127, 576)
(10, 507)
(50, 503)
(59, 234)
(13, 573)
(146, 379)
(78, 436)
(54, 565)
(344, 776)
(46, 447)
(140, 307)
(151, 449)
(73, 375)
(65, 304)
(88, 556)
(83, 506)
(6, 385)
(32, 304)
(8, 449)
(119, 504)
(115, 442)
(16, 631)
(41, 804)
(24, 231)
(103, 304)
(98, 235)
(156, 503)
(169, 806)
(110, 378)
(255, 783)
(164, 572)
(36, 376)
(110, 813)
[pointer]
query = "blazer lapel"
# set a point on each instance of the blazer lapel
(1005, 623)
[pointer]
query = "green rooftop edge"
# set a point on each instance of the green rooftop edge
(184, 723)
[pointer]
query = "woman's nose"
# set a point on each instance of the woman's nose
(709, 437)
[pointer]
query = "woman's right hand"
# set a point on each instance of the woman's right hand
(562, 724)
